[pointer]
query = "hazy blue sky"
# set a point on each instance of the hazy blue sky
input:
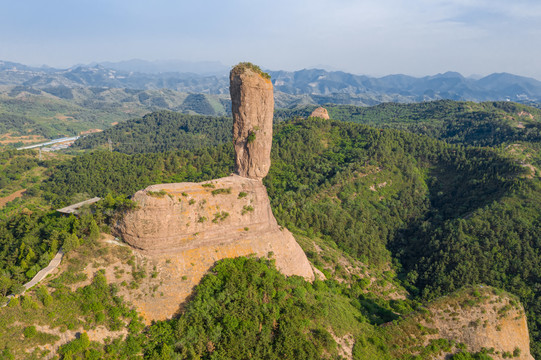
(415, 37)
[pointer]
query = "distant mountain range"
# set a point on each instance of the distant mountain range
(167, 66)
(308, 86)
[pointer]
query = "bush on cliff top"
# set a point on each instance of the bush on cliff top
(240, 67)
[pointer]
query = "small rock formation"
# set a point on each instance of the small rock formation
(321, 113)
(252, 105)
(480, 318)
(187, 227)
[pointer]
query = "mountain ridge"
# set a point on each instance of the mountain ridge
(347, 87)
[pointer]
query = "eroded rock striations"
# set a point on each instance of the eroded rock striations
(252, 105)
(187, 227)
(321, 113)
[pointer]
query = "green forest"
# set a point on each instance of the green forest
(162, 131)
(458, 122)
(446, 194)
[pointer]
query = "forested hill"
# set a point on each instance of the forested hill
(378, 195)
(441, 214)
(33, 115)
(161, 131)
(469, 123)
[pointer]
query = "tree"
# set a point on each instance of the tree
(5, 284)
(71, 242)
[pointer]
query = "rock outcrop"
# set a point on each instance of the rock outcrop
(186, 227)
(480, 318)
(252, 105)
(321, 113)
(222, 213)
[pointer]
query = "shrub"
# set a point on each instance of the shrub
(247, 209)
(220, 216)
(27, 303)
(158, 194)
(75, 346)
(251, 137)
(30, 331)
(242, 66)
(14, 302)
(221, 191)
(44, 296)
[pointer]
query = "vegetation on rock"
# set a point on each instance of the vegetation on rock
(243, 66)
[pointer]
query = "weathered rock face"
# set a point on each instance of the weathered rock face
(170, 214)
(321, 113)
(193, 225)
(486, 320)
(252, 102)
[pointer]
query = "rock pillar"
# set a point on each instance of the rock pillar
(252, 106)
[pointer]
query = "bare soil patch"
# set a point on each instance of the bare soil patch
(525, 114)
(63, 117)
(25, 139)
(90, 131)
(15, 195)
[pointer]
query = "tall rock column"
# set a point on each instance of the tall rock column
(252, 106)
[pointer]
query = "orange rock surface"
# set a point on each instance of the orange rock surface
(491, 321)
(185, 228)
(252, 105)
(321, 113)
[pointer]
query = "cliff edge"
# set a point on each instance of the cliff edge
(185, 228)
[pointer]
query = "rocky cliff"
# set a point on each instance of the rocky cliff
(252, 105)
(185, 228)
(222, 213)
(480, 318)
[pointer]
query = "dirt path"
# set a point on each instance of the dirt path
(16, 194)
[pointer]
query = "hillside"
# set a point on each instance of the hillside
(469, 123)
(286, 317)
(161, 131)
(29, 115)
(380, 199)
(480, 124)
(313, 85)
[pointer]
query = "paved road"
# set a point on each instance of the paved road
(49, 142)
(42, 274)
(45, 271)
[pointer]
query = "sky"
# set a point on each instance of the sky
(377, 37)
